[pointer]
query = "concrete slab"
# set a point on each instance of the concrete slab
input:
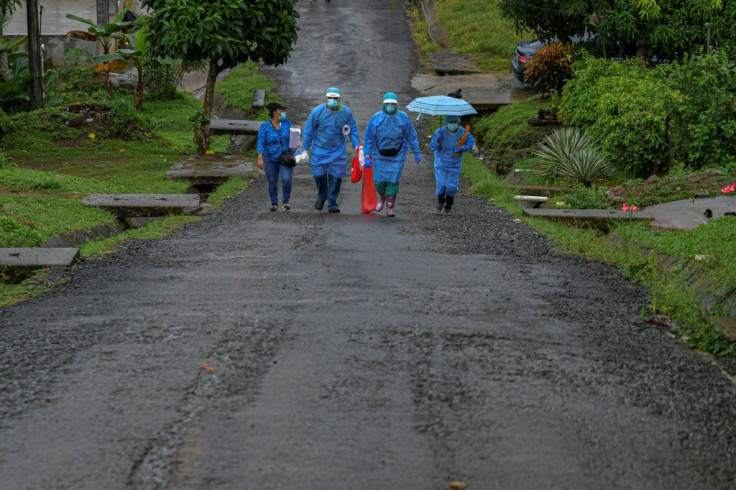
(136, 205)
(483, 92)
(540, 190)
(591, 215)
(687, 214)
(38, 256)
(452, 64)
(211, 169)
(234, 126)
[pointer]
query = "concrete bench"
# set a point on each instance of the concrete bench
(140, 205)
(530, 201)
(37, 256)
(234, 127)
(589, 215)
(259, 98)
(540, 190)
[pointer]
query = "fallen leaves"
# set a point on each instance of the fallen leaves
(209, 369)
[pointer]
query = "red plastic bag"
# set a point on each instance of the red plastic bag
(357, 173)
(368, 198)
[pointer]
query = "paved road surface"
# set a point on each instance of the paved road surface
(354, 352)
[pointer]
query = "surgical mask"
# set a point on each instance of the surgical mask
(283, 116)
(452, 127)
(332, 103)
(390, 109)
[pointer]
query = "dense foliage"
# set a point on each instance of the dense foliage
(647, 120)
(704, 125)
(623, 105)
(666, 28)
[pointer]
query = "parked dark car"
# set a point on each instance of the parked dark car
(524, 52)
(526, 49)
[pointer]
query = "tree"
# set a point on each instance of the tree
(223, 33)
(136, 51)
(105, 34)
(7, 8)
(642, 28)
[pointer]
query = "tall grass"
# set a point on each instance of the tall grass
(476, 27)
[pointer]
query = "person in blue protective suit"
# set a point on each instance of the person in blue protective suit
(324, 134)
(388, 137)
(273, 139)
(449, 143)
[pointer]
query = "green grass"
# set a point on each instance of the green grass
(54, 158)
(476, 27)
(508, 133)
(240, 85)
(156, 229)
(172, 122)
(420, 31)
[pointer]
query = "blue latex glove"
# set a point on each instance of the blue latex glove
(368, 161)
(417, 158)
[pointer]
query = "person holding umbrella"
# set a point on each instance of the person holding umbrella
(449, 143)
(326, 128)
(388, 136)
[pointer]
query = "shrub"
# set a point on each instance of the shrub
(6, 123)
(569, 154)
(126, 122)
(582, 197)
(624, 106)
(77, 72)
(550, 68)
(14, 234)
(704, 122)
(162, 75)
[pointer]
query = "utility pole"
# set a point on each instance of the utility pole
(34, 54)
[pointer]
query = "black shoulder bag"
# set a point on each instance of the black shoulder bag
(287, 158)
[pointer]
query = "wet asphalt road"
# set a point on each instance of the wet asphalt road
(350, 351)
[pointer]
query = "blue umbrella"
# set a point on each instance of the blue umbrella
(441, 105)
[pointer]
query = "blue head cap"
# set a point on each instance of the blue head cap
(449, 119)
(390, 98)
(333, 92)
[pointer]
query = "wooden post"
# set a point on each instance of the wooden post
(34, 54)
(707, 41)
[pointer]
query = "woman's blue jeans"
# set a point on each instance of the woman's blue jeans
(273, 170)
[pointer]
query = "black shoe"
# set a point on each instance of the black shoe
(319, 204)
(274, 207)
(285, 206)
(334, 210)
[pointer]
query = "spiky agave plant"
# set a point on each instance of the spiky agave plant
(571, 155)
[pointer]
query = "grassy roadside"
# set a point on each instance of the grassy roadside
(53, 158)
(473, 27)
(689, 274)
(680, 288)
